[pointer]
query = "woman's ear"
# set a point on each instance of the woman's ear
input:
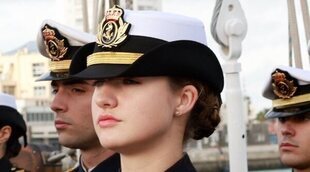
(5, 133)
(188, 98)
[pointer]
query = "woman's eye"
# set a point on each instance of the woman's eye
(129, 81)
(77, 90)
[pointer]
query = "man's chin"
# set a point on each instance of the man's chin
(290, 159)
(67, 142)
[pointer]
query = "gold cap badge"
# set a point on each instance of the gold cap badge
(113, 29)
(282, 87)
(55, 47)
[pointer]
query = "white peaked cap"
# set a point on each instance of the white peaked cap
(74, 37)
(7, 100)
(302, 77)
(289, 92)
(165, 26)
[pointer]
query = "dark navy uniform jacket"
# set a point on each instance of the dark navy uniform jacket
(111, 164)
(183, 165)
(6, 166)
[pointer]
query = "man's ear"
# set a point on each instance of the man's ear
(5, 133)
(188, 98)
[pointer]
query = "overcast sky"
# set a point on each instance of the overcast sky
(264, 47)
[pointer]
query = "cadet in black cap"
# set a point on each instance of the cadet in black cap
(12, 127)
(72, 97)
(157, 85)
(289, 90)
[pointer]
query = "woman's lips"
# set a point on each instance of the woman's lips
(105, 121)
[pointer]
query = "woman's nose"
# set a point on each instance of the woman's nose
(104, 96)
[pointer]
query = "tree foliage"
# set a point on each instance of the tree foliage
(260, 116)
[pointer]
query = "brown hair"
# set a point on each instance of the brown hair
(204, 117)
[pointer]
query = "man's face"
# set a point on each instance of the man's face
(294, 139)
(72, 105)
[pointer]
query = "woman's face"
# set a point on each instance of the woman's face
(132, 112)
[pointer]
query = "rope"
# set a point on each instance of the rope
(305, 15)
(294, 32)
(85, 16)
(215, 16)
(290, 51)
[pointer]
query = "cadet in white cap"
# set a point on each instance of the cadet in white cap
(12, 127)
(157, 85)
(59, 43)
(289, 90)
(72, 97)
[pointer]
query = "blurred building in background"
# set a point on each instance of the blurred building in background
(19, 69)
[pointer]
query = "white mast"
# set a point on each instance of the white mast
(294, 43)
(229, 28)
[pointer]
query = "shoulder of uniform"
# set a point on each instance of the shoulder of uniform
(73, 169)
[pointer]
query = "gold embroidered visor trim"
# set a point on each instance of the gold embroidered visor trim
(112, 58)
(283, 103)
(59, 66)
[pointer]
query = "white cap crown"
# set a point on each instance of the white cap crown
(7, 100)
(165, 26)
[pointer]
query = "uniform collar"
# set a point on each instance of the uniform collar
(110, 164)
(183, 165)
(5, 163)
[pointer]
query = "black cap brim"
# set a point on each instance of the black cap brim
(51, 76)
(178, 58)
(274, 113)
